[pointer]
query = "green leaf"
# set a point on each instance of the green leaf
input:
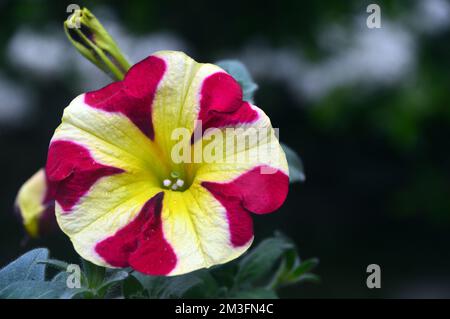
(206, 288)
(37, 289)
(259, 261)
(25, 268)
(299, 272)
(296, 171)
(305, 267)
(113, 277)
(289, 262)
(25, 278)
(257, 293)
(291, 259)
(68, 293)
(225, 273)
(32, 289)
(57, 264)
(167, 287)
(74, 293)
(132, 289)
(95, 275)
(307, 278)
(60, 277)
(240, 73)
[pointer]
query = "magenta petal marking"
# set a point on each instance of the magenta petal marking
(141, 243)
(250, 192)
(133, 97)
(221, 102)
(71, 172)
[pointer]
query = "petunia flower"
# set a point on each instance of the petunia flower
(35, 205)
(122, 197)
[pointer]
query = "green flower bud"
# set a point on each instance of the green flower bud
(92, 40)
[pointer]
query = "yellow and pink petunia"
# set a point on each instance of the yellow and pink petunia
(122, 198)
(35, 205)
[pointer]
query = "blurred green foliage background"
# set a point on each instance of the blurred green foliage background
(367, 109)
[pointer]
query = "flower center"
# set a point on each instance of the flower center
(174, 182)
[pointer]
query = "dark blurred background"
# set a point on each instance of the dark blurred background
(368, 110)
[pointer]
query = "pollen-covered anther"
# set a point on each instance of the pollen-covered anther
(173, 182)
(180, 182)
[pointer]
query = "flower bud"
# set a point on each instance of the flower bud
(92, 40)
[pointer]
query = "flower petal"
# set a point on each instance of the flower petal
(252, 177)
(184, 232)
(72, 172)
(103, 170)
(244, 147)
(141, 243)
(196, 226)
(191, 92)
(36, 205)
(132, 97)
(221, 102)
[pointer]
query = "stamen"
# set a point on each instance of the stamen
(180, 182)
(174, 182)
